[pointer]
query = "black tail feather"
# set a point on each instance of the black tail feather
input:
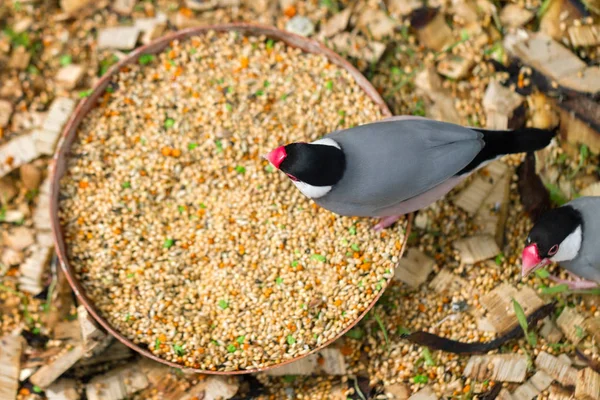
(500, 143)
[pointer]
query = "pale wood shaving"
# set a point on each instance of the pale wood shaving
(560, 371)
(515, 16)
(46, 138)
(446, 281)
(455, 67)
(20, 150)
(356, 46)
(476, 248)
(122, 37)
(436, 34)
(6, 110)
(550, 331)
(63, 389)
(10, 365)
(424, 394)
(499, 104)
(48, 373)
(117, 384)
(588, 385)
(500, 309)
(32, 270)
(572, 325)
(414, 268)
(584, 35)
(499, 367)
(336, 23)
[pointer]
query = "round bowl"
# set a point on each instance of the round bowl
(69, 134)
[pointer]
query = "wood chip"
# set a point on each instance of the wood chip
(20, 150)
(500, 102)
(41, 214)
(48, 373)
(357, 47)
(584, 35)
(27, 120)
(559, 370)
(504, 395)
(476, 248)
(32, 270)
(491, 216)
(114, 352)
(124, 7)
(539, 382)
(465, 10)
(498, 367)
(69, 76)
(376, 24)
(429, 86)
(221, 387)
(20, 58)
(592, 190)
(18, 238)
(121, 37)
(397, 391)
(550, 331)
(336, 24)
(31, 176)
(414, 268)
(455, 67)
(10, 365)
(554, 61)
(475, 194)
(117, 384)
(329, 361)
(72, 6)
(588, 385)
(446, 281)
(515, 16)
(67, 330)
(63, 389)
(11, 257)
(572, 324)
(403, 7)
(559, 393)
(424, 394)
(434, 34)
(94, 339)
(6, 110)
(500, 309)
(201, 5)
(146, 24)
(154, 33)
(59, 113)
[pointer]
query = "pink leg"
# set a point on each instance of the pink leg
(576, 284)
(386, 222)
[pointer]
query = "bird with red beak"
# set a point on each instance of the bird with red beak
(396, 166)
(568, 235)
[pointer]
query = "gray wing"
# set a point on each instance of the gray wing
(392, 161)
(587, 264)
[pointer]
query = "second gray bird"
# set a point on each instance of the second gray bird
(396, 166)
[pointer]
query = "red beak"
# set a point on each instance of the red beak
(277, 156)
(532, 260)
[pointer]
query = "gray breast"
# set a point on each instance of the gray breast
(587, 263)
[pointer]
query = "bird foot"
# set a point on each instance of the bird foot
(578, 283)
(386, 222)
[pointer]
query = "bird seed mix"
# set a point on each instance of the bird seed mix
(184, 237)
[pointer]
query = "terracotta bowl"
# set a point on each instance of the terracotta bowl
(70, 131)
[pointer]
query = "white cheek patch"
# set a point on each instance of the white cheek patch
(313, 192)
(327, 142)
(569, 248)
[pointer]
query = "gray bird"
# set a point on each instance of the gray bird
(395, 166)
(568, 235)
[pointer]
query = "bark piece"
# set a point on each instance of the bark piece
(473, 196)
(455, 67)
(63, 389)
(68, 330)
(117, 384)
(432, 30)
(10, 365)
(515, 16)
(124, 7)
(558, 15)
(584, 35)
(414, 268)
(500, 309)
(476, 248)
(18, 238)
(69, 76)
(357, 47)
(500, 104)
(336, 24)
(20, 150)
(8, 189)
(588, 385)
(48, 373)
(424, 394)
(572, 324)
(499, 367)
(6, 110)
(32, 270)
(121, 37)
(559, 370)
(550, 331)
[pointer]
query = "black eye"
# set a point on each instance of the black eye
(553, 250)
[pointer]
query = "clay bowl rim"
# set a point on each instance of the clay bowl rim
(84, 106)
